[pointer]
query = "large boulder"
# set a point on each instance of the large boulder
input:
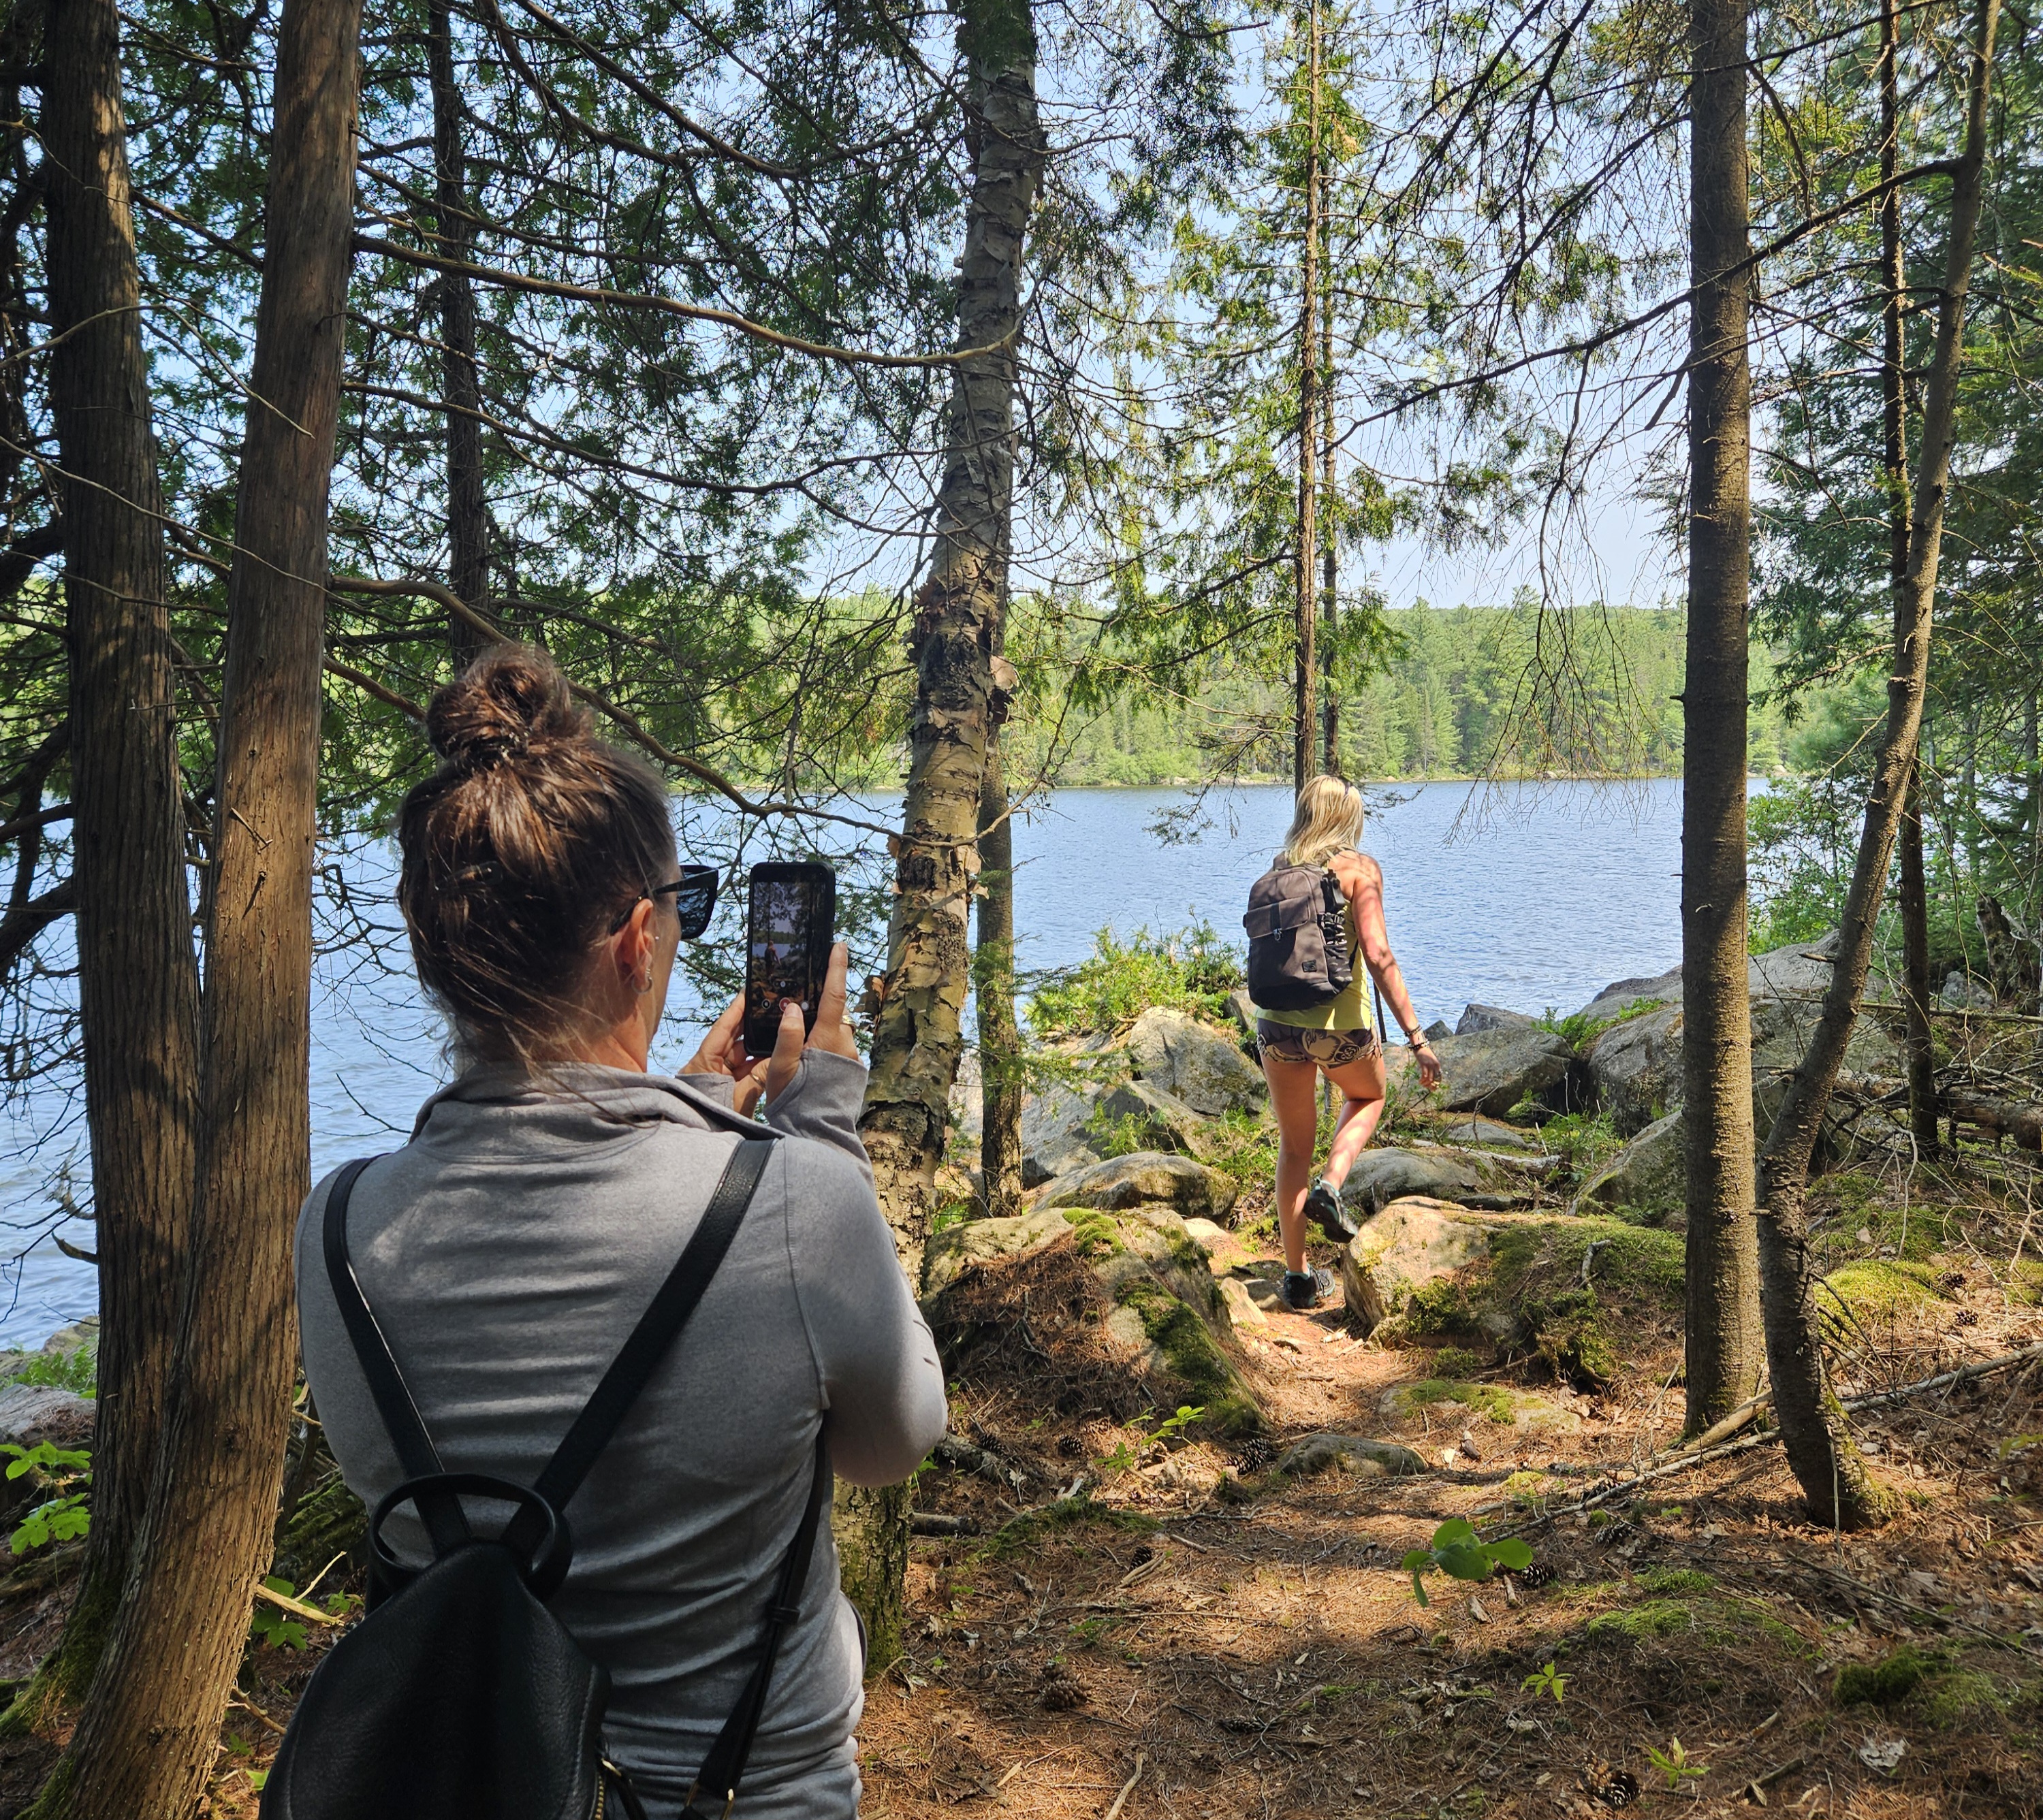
(1476, 1018)
(1203, 1066)
(1782, 1029)
(1635, 1068)
(1411, 1243)
(1394, 1173)
(1135, 1284)
(1188, 1189)
(1057, 1135)
(968, 1096)
(1621, 995)
(1154, 1119)
(1645, 1179)
(1491, 1071)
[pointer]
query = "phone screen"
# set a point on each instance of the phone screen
(791, 912)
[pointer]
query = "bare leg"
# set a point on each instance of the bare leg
(1292, 1092)
(1362, 1088)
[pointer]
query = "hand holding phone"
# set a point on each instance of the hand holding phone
(723, 1051)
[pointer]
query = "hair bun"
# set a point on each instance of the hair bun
(512, 699)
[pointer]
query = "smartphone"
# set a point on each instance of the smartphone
(789, 923)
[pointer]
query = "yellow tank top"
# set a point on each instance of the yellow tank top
(1350, 1011)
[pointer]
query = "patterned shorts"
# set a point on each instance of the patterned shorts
(1327, 1049)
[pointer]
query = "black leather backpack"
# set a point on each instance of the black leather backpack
(460, 1696)
(1299, 954)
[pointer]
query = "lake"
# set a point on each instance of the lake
(1529, 897)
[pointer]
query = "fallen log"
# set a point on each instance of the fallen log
(2008, 1118)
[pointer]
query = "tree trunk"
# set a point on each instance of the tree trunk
(467, 506)
(138, 976)
(992, 989)
(1723, 1326)
(146, 1742)
(919, 1032)
(1813, 1429)
(1914, 904)
(1305, 722)
(1330, 759)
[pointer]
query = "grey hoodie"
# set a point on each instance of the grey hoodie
(508, 1249)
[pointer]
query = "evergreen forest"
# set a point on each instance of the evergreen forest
(871, 418)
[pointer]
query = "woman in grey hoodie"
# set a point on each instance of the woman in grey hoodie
(510, 1246)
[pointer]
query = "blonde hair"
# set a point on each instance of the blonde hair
(1328, 822)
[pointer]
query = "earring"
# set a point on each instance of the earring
(645, 982)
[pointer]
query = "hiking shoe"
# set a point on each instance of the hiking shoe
(1305, 1290)
(1323, 1203)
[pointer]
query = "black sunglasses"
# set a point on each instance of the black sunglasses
(695, 900)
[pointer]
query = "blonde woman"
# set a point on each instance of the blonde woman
(1337, 1039)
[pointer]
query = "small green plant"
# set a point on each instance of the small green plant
(1120, 1460)
(1676, 1765)
(1546, 1680)
(266, 1624)
(77, 1371)
(1456, 1550)
(65, 1472)
(1577, 1027)
(1581, 1140)
(1173, 1426)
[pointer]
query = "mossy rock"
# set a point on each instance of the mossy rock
(1567, 1332)
(329, 1520)
(1630, 1261)
(1182, 1347)
(1504, 1408)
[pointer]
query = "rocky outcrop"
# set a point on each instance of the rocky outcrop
(1393, 1172)
(1645, 1179)
(1187, 1188)
(1634, 1068)
(1782, 1029)
(1478, 1018)
(1490, 1071)
(1203, 1066)
(1056, 1133)
(1154, 1119)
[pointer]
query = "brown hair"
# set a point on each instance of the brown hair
(521, 851)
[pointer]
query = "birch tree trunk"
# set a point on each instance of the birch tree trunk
(1724, 1342)
(1814, 1431)
(146, 1740)
(138, 976)
(918, 1033)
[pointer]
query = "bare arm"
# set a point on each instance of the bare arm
(1363, 883)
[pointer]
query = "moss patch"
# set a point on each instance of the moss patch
(1655, 1617)
(1495, 1404)
(1883, 1286)
(1672, 1582)
(1630, 1260)
(1885, 1683)
(1568, 1333)
(1960, 1698)
(1097, 1235)
(1193, 1356)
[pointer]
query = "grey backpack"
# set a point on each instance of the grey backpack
(1299, 954)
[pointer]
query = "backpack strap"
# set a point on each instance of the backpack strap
(724, 1768)
(640, 1355)
(440, 1510)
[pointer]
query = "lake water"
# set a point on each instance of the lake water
(1548, 896)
